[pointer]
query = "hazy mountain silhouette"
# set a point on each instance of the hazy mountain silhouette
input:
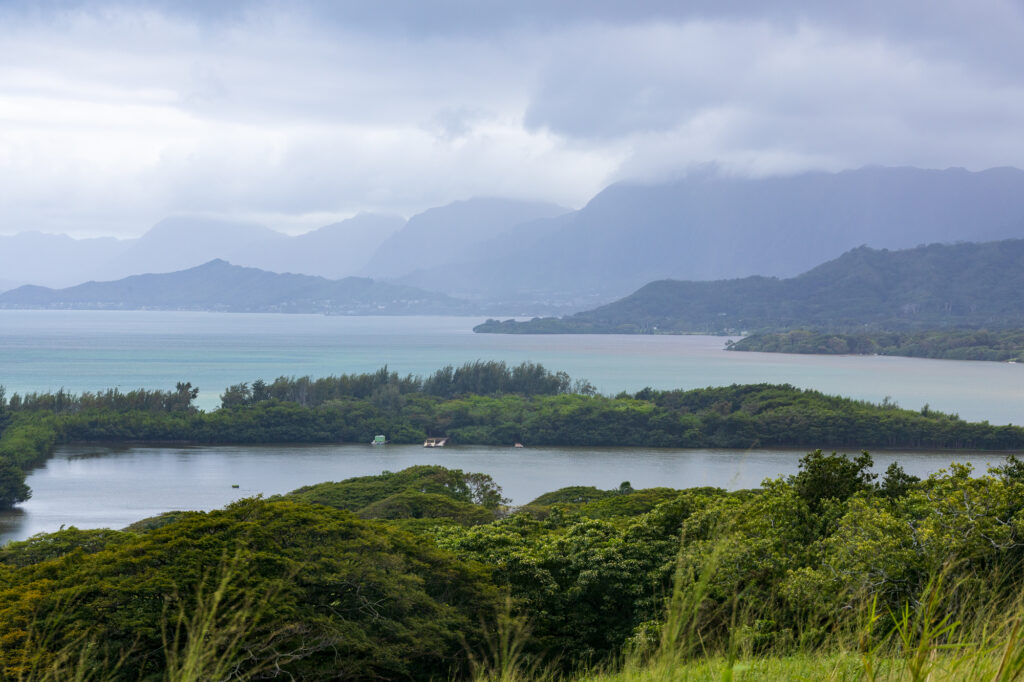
(177, 243)
(941, 285)
(220, 286)
(336, 250)
(703, 227)
(184, 242)
(452, 234)
(711, 227)
(55, 259)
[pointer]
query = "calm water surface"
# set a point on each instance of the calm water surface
(95, 350)
(104, 487)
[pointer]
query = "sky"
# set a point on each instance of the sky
(297, 114)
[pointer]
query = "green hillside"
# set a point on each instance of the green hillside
(221, 286)
(928, 287)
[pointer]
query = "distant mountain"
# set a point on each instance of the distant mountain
(451, 234)
(184, 242)
(6, 285)
(176, 243)
(960, 285)
(522, 254)
(336, 250)
(55, 259)
(220, 286)
(713, 227)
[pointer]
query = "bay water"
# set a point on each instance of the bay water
(97, 486)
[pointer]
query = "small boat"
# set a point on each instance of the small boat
(517, 445)
(234, 485)
(379, 440)
(435, 442)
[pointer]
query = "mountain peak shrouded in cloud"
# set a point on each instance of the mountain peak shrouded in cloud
(295, 115)
(707, 225)
(712, 226)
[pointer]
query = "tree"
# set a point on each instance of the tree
(12, 485)
(823, 477)
(896, 482)
(181, 399)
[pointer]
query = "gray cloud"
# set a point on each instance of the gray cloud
(114, 115)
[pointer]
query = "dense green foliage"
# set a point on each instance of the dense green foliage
(417, 492)
(929, 287)
(958, 344)
(327, 595)
(791, 567)
(734, 416)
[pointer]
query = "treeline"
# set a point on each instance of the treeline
(111, 400)
(302, 587)
(473, 378)
(954, 344)
(736, 416)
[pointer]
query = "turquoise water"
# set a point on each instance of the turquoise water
(91, 486)
(94, 350)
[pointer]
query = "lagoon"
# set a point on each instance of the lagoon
(97, 486)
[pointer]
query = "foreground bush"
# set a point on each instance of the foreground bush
(324, 595)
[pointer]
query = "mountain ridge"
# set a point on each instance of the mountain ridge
(938, 286)
(220, 286)
(702, 227)
(707, 227)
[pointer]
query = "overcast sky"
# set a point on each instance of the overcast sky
(113, 116)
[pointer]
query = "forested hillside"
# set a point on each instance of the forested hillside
(936, 286)
(220, 286)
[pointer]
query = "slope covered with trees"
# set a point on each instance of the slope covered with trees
(929, 287)
(220, 286)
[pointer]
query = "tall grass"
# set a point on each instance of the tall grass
(504, 657)
(213, 641)
(940, 635)
(953, 629)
